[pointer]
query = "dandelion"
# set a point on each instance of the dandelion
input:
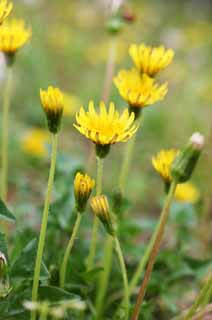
(186, 192)
(162, 163)
(52, 104)
(150, 60)
(106, 127)
(139, 91)
(83, 186)
(5, 10)
(34, 142)
(13, 36)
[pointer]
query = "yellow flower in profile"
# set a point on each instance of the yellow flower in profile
(34, 142)
(71, 104)
(52, 101)
(139, 91)
(106, 127)
(83, 185)
(162, 163)
(5, 10)
(13, 36)
(186, 192)
(150, 60)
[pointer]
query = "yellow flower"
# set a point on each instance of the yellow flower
(139, 91)
(34, 142)
(187, 192)
(162, 163)
(83, 185)
(150, 60)
(71, 104)
(52, 102)
(106, 127)
(13, 35)
(100, 207)
(5, 10)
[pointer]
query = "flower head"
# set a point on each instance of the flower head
(186, 192)
(5, 10)
(139, 91)
(162, 163)
(52, 102)
(13, 36)
(34, 142)
(100, 208)
(150, 60)
(83, 185)
(105, 127)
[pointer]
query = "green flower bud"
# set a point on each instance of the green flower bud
(4, 276)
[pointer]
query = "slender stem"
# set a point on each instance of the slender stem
(104, 276)
(92, 251)
(68, 250)
(44, 311)
(124, 276)
(42, 236)
(200, 300)
(109, 70)
(5, 129)
(155, 249)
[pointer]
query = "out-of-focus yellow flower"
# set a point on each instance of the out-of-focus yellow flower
(13, 36)
(71, 104)
(59, 36)
(83, 185)
(162, 163)
(99, 52)
(198, 34)
(186, 192)
(106, 127)
(150, 60)
(5, 10)
(34, 142)
(52, 102)
(139, 91)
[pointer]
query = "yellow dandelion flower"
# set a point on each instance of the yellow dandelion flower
(187, 192)
(52, 101)
(150, 60)
(13, 36)
(139, 91)
(71, 104)
(5, 10)
(106, 127)
(34, 142)
(162, 163)
(83, 185)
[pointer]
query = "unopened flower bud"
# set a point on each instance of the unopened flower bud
(115, 24)
(52, 103)
(4, 276)
(83, 185)
(185, 162)
(100, 208)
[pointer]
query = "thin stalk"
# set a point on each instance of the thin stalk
(44, 312)
(155, 249)
(43, 229)
(92, 252)
(68, 250)
(104, 276)
(199, 301)
(124, 276)
(5, 133)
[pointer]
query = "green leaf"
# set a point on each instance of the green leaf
(3, 245)
(5, 214)
(89, 276)
(52, 293)
(23, 266)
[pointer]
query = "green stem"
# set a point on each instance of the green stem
(68, 250)
(124, 276)
(200, 300)
(42, 236)
(154, 251)
(44, 311)
(104, 276)
(5, 134)
(92, 252)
